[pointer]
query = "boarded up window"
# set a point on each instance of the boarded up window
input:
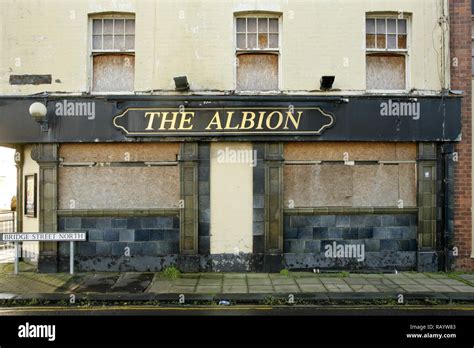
(386, 71)
(113, 73)
(257, 72)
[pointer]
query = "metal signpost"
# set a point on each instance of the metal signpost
(70, 237)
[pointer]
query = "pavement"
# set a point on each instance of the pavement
(236, 287)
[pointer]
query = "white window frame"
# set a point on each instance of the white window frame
(405, 52)
(94, 52)
(276, 51)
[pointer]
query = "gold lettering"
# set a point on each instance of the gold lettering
(152, 118)
(261, 115)
(172, 121)
(248, 118)
(291, 117)
(269, 119)
(186, 120)
(229, 120)
(216, 120)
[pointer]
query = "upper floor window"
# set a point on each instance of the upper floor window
(113, 53)
(386, 53)
(257, 52)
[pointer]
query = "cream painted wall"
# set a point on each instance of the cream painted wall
(231, 200)
(30, 224)
(7, 177)
(196, 38)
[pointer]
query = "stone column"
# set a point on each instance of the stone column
(188, 260)
(273, 258)
(427, 201)
(46, 155)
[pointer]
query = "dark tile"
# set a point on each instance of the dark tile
(258, 244)
(313, 221)
(203, 173)
(149, 222)
(142, 235)
(328, 220)
(290, 233)
(88, 222)
(111, 235)
(389, 245)
(61, 224)
(298, 221)
(134, 223)
(156, 235)
(372, 245)
(388, 220)
(373, 220)
(350, 232)
(176, 222)
(164, 222)
(305, 232)
(402, 220)
(119, 223)
(258, 228)
(258, 215)
(343, 220)
(103, 248)
(126, 235)
(149, 248)
(136, 248)
(296, 245)
(171, 235)
(204, 228)
(118, 248)
(365, 232)
(358, 220)
(95, 235)
(204, 245)
(335, 232)
(72, 223)
(104, 222)
(320, 232)
(86, 248)
(258, 201)
(312, 246)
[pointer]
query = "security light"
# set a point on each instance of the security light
(39, 111)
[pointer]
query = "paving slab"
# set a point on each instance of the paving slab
(182, 289)
(415, 288)
(234, 289)
(312, 288)
(235, 276)
(209, 282)
(441, 288)
(99, 282)
(260, 289)
(132, 282)
(465, 288)
(209, 289)
(259, 281)
(185, 282)
(235, 281)
(283, 281)
(309, 281)
(451, 281)
(286, 288)
(364, 288)
(160, 286)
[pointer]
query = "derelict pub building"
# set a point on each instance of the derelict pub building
(220, 136)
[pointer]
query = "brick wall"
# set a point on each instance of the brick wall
(460, 45)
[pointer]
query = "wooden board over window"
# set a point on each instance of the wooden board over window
(113, 72)
(257, 72)
(386, 72)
